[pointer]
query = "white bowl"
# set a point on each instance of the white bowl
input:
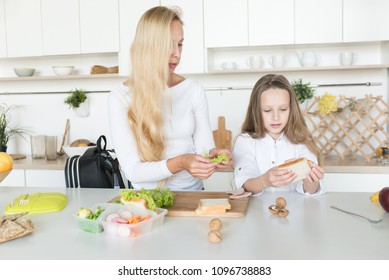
(24, 72)
(75, 151)
(63, 70)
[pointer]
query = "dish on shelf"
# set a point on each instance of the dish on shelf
(63, 70)
(24, 72)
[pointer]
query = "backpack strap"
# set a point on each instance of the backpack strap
(99, 144)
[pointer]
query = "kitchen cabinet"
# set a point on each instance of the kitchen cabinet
(129, 14)
(45, 178)
(60, 27)
(192, 60)
(365, 20)
(225, 23)
(23, 28)
(270, 22)
(3, 41)
(318, 21)
(99, 26)
(14, 179)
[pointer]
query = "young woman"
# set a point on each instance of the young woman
(273, 132)
(158, 119)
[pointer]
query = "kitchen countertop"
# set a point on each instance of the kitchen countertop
(311, 231)
(331, 165)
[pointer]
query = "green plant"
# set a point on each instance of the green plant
(76, 97)
(303, 90)
(6, 131)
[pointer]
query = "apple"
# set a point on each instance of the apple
(384, 198)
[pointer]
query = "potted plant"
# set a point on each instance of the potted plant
(78, 101)
(6, 130)
(303, 90)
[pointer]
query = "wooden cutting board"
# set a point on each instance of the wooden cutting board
(186, 202)
(221, 136)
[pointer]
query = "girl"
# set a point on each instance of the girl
(273, 132)
(159, 120)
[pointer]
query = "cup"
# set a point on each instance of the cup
(38, 146)
(277, 61)
(348, 58)
(254, 62)
(51, 147)
(228, 65)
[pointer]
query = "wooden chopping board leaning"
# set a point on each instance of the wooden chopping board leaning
(221, 136)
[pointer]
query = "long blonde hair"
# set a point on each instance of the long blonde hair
(150, 53)
(295, 130)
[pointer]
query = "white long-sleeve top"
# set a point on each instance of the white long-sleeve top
(254, 157)
(187, 130)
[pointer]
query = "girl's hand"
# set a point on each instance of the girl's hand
(316, 173)
(279, 178)
(224, 164)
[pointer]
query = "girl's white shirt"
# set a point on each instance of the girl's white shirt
(187, 130)
(254, 157)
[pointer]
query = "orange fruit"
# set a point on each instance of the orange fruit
(6, 162)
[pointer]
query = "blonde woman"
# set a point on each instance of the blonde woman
(158, 119)
(273, 132)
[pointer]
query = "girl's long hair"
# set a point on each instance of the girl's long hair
(150, 53)
(296, 130)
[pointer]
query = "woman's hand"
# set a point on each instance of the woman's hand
(224, 164)
(198, 166)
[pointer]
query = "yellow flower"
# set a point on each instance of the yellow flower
(327, 104)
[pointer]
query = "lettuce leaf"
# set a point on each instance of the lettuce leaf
(155, 198)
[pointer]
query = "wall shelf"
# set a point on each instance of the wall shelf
(299, 69)
(70, 77)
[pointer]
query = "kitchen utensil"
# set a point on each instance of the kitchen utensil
(254, 62)
(24, 200)
(308, 59)
(38, 203)
(51, 147)
(99, 69)
(277, 61)
(38, 146)
(65, 136)
(24, 72)
(228, 65)
(351, 213)
(63, 70)
(348, 58)
(221, 136)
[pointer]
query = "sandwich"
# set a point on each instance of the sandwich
(300, 166)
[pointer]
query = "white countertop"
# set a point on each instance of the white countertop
(331, 165)
(311, 231)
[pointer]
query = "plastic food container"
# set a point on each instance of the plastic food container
(93, 226)
(131, 230)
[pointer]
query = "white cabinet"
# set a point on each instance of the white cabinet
(225, 23)
(192, 60)
(3, 41)
(354, 182)
(14, 179)
(365, 20)
(45, 178)
(60, 27)
(270, 22)
(318, 21)
(130, 13)
(99, 24)
(23, 28)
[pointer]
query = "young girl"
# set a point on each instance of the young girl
(158, 119)
(273, 132)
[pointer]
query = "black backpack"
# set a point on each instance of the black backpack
(96, 168)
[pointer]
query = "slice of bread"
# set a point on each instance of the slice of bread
(300, 166)
(213, 206)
